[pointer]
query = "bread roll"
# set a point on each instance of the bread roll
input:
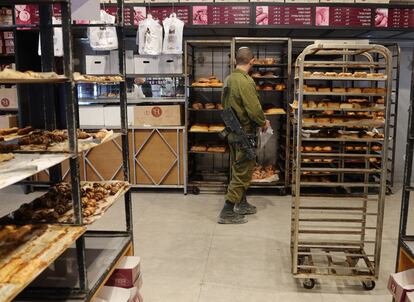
(338, 89)
(369, 90)
(318, 74)
(381, 90)
(380, 101)
(345, 74)
(360, 74)
(354, 90)
(324, 89)
(307, 74)
(331, 74)
(333, 105)
(346, 106)
(323, 120)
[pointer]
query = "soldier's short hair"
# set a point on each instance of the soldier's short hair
(244, 55)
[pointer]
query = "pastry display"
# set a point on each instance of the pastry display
(307, 88)
(280, 87)
(380, 101)
(210, 106)
(381, 90)
(376, 75)
(345, 75)
(266, 87)
(6, 157)
(96, 79)
(318, 74)
(338, 90)
(324, 89)
(354, 90)
(331, 74)
(198, 148)
(275, 111)
(307, 74)
(264, 174)
(219, 106)
(11, 74)
(56, 205)
(216, 128)
(360, 74)
(197, 106)
(317, 149)
(265, 61)
(216, 149)
(212, 81)
(369, 90)
(199, 128)
(264, 74)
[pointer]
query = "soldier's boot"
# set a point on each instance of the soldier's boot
(228, 216)
(244, 208)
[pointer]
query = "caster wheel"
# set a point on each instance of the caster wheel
(309, 283)
(196, 190)
(368, 285)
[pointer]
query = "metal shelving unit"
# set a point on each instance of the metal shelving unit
(330, 238)
(405, 251)
(276, 152)
(207, 172)
(88, 277)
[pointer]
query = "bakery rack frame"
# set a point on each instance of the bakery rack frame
(339, 237)
(86, 285)
(217, 179)
(405, 251)
(264, 47)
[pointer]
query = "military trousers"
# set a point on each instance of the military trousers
(241, 174)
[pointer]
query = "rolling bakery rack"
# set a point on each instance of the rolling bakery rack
(405, 252)
(273, 87)
(341, 132)
(76, 272)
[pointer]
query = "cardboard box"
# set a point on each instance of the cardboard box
(171, 64)
(146, 64)
(117, 294)
(8, 98)
(8, 121)
(98, 64)
(91, 116)
(112, 116)
(127, 273)
(401, 283)
(166, 115)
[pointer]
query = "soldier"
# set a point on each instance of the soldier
(240, 94)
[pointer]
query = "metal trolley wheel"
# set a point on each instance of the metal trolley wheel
(309, 283)
(368, 285)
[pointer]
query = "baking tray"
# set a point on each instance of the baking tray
(22, 262)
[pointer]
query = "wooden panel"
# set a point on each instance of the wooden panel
(106, 161)
(157, 158)
(406, 262)
(44, 176)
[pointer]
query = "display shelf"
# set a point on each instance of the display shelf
(343, 64)
(208, 152)
(33, 81)
(103, 251)
(270, 65)
(343, 94)
(26, 165)
(157, 100)
(346, 124)
(371, 109)
(379, 79)
(205, 110)
(157, 127)
(339, 139)
(339, 170)
(156, 75)
(22, 262)
(339, 184)
(350, 155)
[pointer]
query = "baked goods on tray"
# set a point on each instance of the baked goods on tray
(198, 148)
(197, 106)
(6, 157)
(210, 106)
(265, 61)
(275, 111)
(324, 89)
(219, 106)
(216, 128)
(354, 90)
(338, 89)
(199, 128)
(212, 81)
(307, 88)
(280, 87)
(216, 149)
(360, 74)
(345, 75)
(99, 79)
(11, 74)
(265, 174)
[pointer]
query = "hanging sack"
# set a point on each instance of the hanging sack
(149, 37)
(103, 38)
(57, 39)
(173, 37)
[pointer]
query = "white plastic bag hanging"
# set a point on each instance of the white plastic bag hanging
(103, 38)
(149, 37)
(173, 37)
(57, 39)
(264, 137)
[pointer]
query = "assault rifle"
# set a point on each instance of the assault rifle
(246, 142)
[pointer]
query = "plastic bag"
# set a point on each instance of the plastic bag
(173, 38)
(264, 137)
(57, 39)
(149, 37)
(103, 38)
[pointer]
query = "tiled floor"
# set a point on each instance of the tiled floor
(187, 257)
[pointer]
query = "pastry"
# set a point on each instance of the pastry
(357, 100)
(197, 106)
(376, 148)
(198, 84)
(268, 74)
(328, 112)
(280, 87)
(321, 105)
(318, 74)
(356, 106)
(337, 120)
(346, 106)
(381, 90)
(312, 104)
(333, 105)
(338, 89)
(308, 148)
(345, 75)
(25, 130)
(376, 75)
(198, 148)
(199, 128)
(308, 120)
(369, 90)
(202, 80)
(267, 87)
(327, 148)
(216, 84)
(8, 131)
(216, 149)
(275, 111)
(258, 87)
(354, 90)
(6, 157)
(317, 149)
(219, 106)
(307, 74)
(380, 101)
(309, 88)
(216, 128)
(323, 120)
(256, 75)
(331, 74)
(360, 74)
(210, 106)
(324, 89)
